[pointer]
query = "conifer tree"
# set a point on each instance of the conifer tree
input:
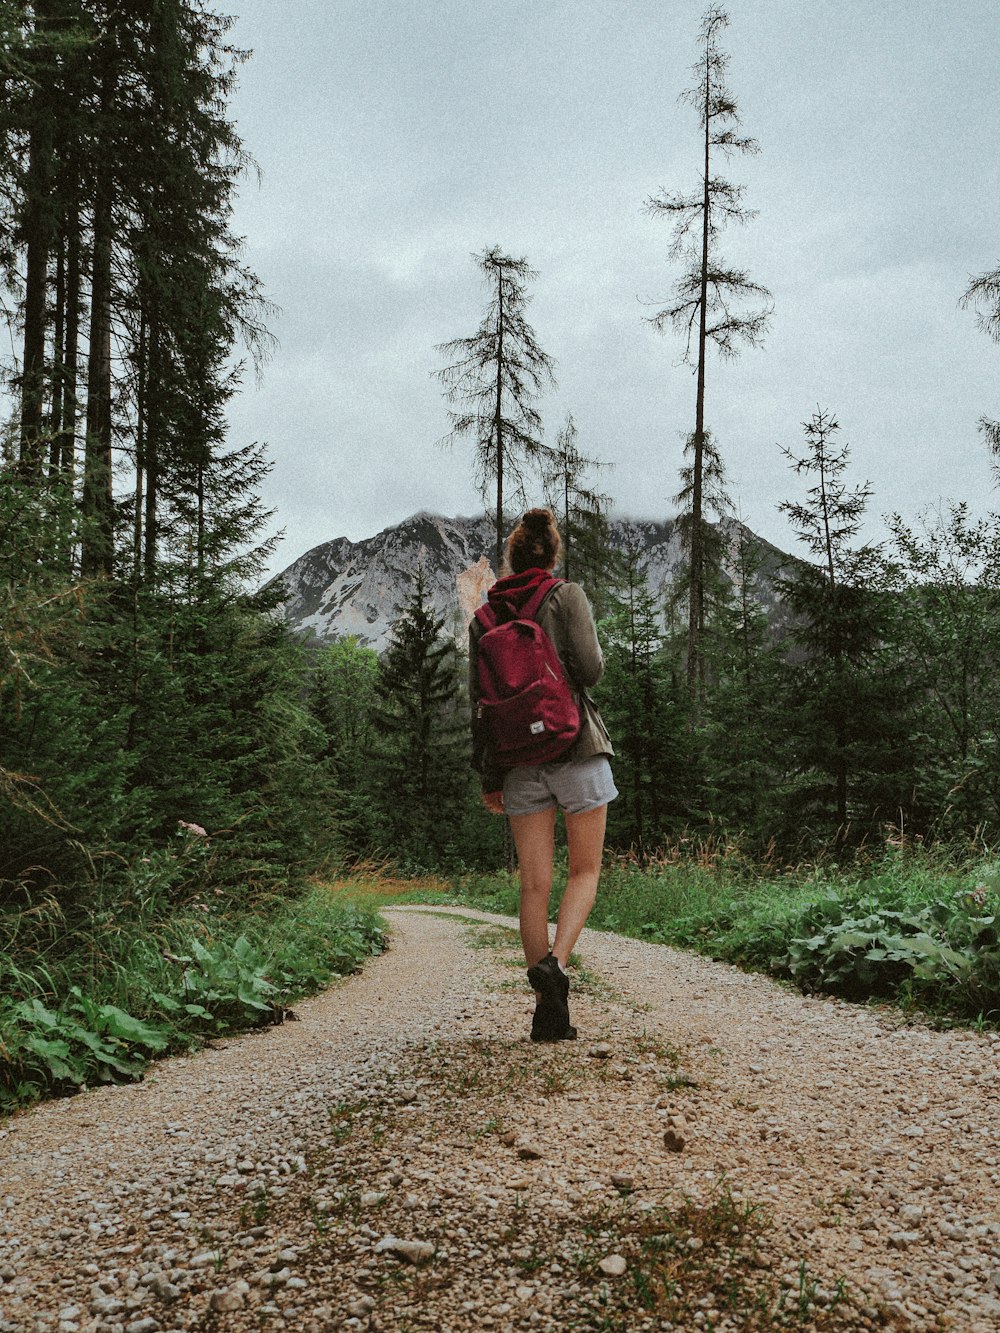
(582, 514)
(843, 705)
(646, 714)
(705, 307)
(495, 376)
(945, 634)
(42, 44)
(983, 293)
(36, 229)
(114, 226)
(423, 763)
(178, 699)
(741, 719)
(342, 698)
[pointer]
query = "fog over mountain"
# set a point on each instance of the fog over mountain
(345, 588)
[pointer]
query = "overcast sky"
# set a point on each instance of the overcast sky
(398, 137)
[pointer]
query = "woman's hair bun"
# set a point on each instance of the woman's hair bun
(535, 542)
(538, 520)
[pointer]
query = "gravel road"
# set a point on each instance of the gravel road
(715, 1152)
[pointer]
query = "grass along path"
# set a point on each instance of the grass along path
(404, 1158)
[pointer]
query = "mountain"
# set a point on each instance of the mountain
(345, 588)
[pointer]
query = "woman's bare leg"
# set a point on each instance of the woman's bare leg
(534, 840)
(585, 835)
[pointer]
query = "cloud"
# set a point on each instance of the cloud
(398, 139)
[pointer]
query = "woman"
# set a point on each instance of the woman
(579, 782)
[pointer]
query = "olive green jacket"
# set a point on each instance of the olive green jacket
(566, 617)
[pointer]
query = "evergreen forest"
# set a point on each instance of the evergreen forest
(179, 774)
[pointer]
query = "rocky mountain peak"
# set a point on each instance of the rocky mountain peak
(345, 588)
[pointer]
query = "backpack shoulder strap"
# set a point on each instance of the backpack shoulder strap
(489, 618)
(532, 607)
(486, 616)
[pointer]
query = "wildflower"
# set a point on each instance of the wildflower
(195, 829)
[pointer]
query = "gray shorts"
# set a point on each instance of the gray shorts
(576, 785)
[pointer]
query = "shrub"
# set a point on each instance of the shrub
(157, 986)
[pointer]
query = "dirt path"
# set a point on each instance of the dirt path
(715, 1152)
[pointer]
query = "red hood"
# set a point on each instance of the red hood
(509, 595)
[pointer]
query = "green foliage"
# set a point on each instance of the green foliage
(844, 706)
(393, 747)
(905, 926)
(741, 728)
(153, 689)
(648, 714)
(81, 1042)
(342, 684)
(184, 712)
(163, 783)
(945, 633)
(422, 783)
(946, 953)
(150, 984)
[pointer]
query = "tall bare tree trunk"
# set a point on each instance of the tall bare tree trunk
(57, 377)
(38, 238)
(498, 423)
(70, 354)
(140, 450)
(696, 595)
(98, 528)
(151, 451)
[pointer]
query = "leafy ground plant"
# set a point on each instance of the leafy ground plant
(909, 925)
(86, 1007)
(944, 953)
(80, 1042)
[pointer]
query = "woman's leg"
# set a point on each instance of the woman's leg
(533, 838)
(585, 835)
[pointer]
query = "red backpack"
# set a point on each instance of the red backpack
(526, 706)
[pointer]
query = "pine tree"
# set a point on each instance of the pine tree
(842, 704)
(945, 633)
(647, 714)
(741, 719)
(496, 375)
(36, 233)
(422, 756)
(342, 699)
(114, 221)
(173, 697)
(704, 307)
(983, 293)
(42, 45)
(582, 514)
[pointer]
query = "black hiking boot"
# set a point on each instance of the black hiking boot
(551, 1018)
(548, 978)
(550, 1022)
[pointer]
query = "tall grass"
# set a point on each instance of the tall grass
(91, 993)
(914, 925)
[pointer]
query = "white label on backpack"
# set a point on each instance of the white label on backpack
(537, 728)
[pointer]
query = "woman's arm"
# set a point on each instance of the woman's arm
(581, 651)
